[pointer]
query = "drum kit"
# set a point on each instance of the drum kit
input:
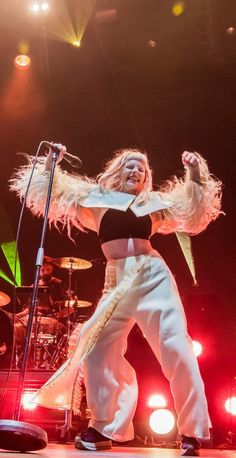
(53, 325)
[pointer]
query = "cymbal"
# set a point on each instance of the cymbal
(76, 303)
(69, 307)
(72, 263)
(81, 304)
(4, 299)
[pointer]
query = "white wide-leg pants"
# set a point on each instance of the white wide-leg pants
(152, 302)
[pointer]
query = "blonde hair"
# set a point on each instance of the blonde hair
(110, 178)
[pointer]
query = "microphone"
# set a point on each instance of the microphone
(74, 161)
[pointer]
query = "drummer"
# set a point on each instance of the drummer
(46, 278)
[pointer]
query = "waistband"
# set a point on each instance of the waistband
(124, 248)
(130, 262)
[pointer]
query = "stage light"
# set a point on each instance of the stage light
(178, 8)
(22, 61)
(230, 30)
(157, 400)
(34, 8)
(162, 421)
(26, 401)
(39, 7)
(152, 43)
(197, 348)
(230, 405)
(76, 43)
(44, 6)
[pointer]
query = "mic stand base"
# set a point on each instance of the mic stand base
(21, 436)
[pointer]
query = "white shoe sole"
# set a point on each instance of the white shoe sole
(83, 445)
(189, 452)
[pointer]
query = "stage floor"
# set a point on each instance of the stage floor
(69, 451)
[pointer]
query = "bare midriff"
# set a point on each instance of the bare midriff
(122, 248)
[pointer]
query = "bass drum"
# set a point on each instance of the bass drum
(6, 338)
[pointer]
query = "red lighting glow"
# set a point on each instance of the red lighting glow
(197, 348)
(22, 61)
(230, 405)
(162, 421)
(157, 400)
(26, 401)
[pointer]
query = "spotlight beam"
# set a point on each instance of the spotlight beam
(69, 26)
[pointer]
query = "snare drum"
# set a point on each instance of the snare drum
(48, 325)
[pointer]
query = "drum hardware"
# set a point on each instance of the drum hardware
(51, 333)
(43, 350)
(70, 264)
(68, 307)
(44, 338)
(40, 348)
(60, 353)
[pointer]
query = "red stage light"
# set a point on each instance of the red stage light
(26, 400)
(22, 61)
(230, 405)
(157, 400)
(197, 348)
(162, 421)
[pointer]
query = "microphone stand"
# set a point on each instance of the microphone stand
(14, 434)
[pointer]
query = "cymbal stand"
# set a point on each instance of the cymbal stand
(69, 294)
(59, 355)
(62, 346)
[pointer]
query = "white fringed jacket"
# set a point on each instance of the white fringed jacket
(182, 205)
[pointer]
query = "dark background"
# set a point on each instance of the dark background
(119, 90)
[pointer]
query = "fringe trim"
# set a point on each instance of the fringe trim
(68, 190)
(193, 204)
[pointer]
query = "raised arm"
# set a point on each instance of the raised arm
(68, 190)
(195, 199)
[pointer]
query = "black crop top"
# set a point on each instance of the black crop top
(116, 224)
